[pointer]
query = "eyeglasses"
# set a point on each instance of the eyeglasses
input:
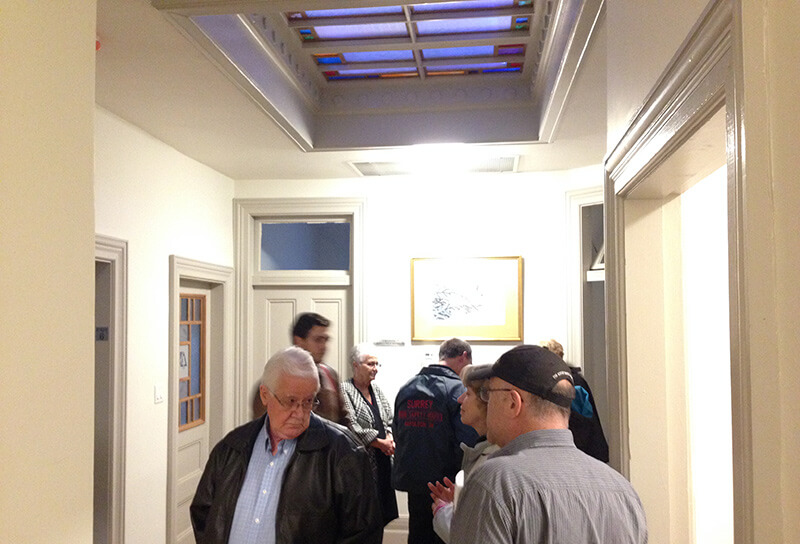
(484, 392)
(292, 404)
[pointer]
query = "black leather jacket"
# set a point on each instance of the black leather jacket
(328, 494)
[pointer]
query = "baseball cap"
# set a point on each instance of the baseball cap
(536, 370)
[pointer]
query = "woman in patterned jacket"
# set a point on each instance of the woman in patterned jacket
(370, 417)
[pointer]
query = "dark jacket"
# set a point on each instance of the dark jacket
(428, 431)
(585, 422)
(327, 495)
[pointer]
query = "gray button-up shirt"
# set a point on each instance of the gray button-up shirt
(540, 488)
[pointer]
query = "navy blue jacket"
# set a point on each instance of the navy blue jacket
(427, 429)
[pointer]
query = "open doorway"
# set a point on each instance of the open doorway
(109, 382)
(677, 341)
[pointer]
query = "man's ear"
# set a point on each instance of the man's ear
(263, 392)
(516, 406)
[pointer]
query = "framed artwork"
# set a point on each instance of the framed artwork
(470, 298)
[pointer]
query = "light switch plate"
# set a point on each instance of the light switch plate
(158, 394)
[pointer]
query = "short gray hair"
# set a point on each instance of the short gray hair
(293, 361)
(454, 347)
(360, 351)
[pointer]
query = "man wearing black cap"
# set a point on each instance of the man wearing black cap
(539, 487)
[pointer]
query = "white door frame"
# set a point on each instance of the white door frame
(701, 77)
(114, 252)
(220, 281)
(247, 212)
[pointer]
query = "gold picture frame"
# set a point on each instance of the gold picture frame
(476, 298)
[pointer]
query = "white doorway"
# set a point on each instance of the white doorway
(275, 295)
(109, 406)
(201, 380)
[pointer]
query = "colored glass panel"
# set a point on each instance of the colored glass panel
(195, 374)
(458, 52)
(482, 66)
(502, 70)
(464, 26)
(353, 12)
(184, 309)
(511, 49)
(464, 5)
(184, 416)
(368, 71)
(378, 56)
(328, 59)
(343, 32)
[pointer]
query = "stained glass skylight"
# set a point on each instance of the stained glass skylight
(454, 38)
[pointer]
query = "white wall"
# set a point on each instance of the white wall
(46, 271)
(489, 215)
(162, 203)
(642, 39)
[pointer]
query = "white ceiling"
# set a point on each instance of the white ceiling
(153, 75)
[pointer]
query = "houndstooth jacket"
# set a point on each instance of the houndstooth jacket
(361, 422)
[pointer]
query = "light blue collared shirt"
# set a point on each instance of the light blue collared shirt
(257, 507)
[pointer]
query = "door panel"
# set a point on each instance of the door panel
(193, 443)
(275, 309)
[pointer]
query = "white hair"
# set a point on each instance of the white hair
(360, 352)
(293, 361)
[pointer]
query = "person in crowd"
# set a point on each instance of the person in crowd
(473, 413)
(289, 476)
(584, 419)
(370, 416)
(538, 487)
(428, 432)
(310, 332)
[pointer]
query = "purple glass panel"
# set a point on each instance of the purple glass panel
(482, 66)
(464, 26)
(350, 12)
(378, 56)
(342, 32)
(367, 71)
(458, 52)
(450, 6)
(184, 405)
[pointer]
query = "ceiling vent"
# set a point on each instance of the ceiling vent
(493, 165)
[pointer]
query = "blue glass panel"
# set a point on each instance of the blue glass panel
(195, 375)
(378, 56)
(515, 69)
(328, 60)
(184, 309)
(341, 32)
(197, 314)
(305, 246)
(482, 66)
(459, 26)
(455, 52)
(184, 405)
(450, 6)
(184, 389)
(366, 71)
(350, 12)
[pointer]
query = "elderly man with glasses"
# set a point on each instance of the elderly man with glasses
(538, 487)
(289, 476)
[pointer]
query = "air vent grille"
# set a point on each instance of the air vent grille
(493, 165)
